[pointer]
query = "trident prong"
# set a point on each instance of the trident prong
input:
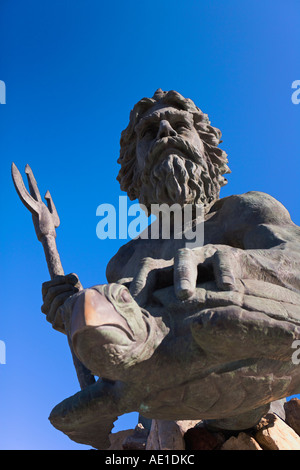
(45, 220)
(24, 195)
(33, 188)
(52, 209)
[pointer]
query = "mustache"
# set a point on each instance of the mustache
(171, 142)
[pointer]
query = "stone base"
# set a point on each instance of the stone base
(271, 433)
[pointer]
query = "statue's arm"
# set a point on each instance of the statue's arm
(256, 220)
(260, 241)
(270, 240)
(279, 263)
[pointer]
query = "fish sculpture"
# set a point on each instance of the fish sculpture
(176, 359)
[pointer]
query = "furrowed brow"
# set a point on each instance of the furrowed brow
(143, 122)
(157, 116)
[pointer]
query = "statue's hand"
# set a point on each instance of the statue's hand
(221, 263)
(55, 293)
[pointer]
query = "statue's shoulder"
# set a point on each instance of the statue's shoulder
(255, 207)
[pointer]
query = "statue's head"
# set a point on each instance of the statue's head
(169, 153)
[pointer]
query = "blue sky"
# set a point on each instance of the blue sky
(73, 71)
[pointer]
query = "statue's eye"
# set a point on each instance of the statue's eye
(125, 296)
(180, 126)
(150, 131)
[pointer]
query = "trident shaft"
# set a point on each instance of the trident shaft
(45, 221)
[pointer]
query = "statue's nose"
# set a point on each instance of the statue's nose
(165, 129)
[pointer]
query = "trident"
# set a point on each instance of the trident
(45, 221)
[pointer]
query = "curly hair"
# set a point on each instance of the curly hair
(216, 158)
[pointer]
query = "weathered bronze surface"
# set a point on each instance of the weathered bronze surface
(184, 333)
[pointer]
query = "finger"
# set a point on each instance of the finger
(144, 282)
(71, 279)
(58, 322)
(185, 273)
(57, 302)
(54, 282)
(223, 265)
(55, 291)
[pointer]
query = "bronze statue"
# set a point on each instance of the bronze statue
(184, 333)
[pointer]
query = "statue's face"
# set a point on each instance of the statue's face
(170, 158)
(159, 124)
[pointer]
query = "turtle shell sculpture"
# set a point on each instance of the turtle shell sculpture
(220, 356)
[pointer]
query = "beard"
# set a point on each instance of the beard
(175, 173)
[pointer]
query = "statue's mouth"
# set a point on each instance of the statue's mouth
(158, 158)
(112, 326)
(172, 145)
(104, 334)
(98, 346)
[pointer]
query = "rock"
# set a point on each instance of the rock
(242, 442)
(199, 438)
(168, 435)
(271, 433)
(292, 411)
(117, 438)
(278, 407)
(137, 440)
(274, 434)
